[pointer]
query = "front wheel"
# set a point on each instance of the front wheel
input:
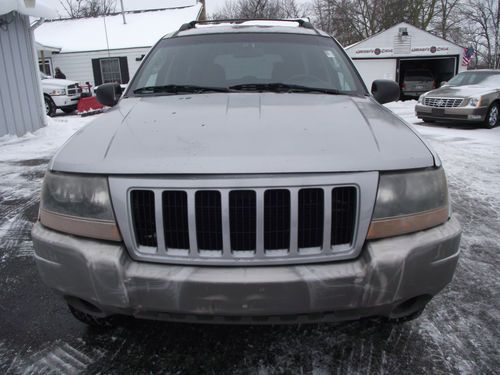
(50, 107)
(493, 116)
(427, 120)
(68, 110)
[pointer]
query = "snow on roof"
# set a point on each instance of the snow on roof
(143, 29)
(34, 8)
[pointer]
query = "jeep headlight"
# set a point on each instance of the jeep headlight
(474, 101)
(57, 92)
(79, 205)
(421, 98)
(409, 202)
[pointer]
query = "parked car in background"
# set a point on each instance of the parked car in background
(59, 94)
(416, 82)
(210, 195)
(471, 96)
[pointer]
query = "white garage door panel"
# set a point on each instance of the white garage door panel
(371, 70)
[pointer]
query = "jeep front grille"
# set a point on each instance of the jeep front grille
(242, 220)
(287, 220)
(443, 102)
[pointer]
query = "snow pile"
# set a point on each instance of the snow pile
(142, 29)
(44, 142)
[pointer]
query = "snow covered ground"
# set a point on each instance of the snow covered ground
(458, 332)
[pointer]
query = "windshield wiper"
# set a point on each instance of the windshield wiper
(178, 89)
(283, 87)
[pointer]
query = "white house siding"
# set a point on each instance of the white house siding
(384, 69)
(21, 108)
(77, 66)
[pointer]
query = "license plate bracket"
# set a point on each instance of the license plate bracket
(438, 111)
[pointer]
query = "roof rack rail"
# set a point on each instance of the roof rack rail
(302, 23)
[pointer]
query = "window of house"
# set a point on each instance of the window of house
(110, 69)
(45, 67)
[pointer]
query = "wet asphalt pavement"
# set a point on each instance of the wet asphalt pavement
(458, 332)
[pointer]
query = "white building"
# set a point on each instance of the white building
(21, 101)
(390, 53)
(105, 49)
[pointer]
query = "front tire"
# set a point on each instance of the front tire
(493, 116)
(68, 110)
(50, 107)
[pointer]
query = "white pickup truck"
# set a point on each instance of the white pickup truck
(59, 93)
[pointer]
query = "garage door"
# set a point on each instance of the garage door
(442, 68)
(373, 69)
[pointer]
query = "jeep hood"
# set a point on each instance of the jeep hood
(242, 133)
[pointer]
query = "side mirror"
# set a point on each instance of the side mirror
(444, 83)
(385, 91)
(108, 94)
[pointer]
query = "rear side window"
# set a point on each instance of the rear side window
(223, 60)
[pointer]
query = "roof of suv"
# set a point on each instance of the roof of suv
(298, 26)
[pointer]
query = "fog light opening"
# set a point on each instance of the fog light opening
(85, 306)
(410, 306)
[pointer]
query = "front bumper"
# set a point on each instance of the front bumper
(387, 273)
(467, 114)
(65, 101)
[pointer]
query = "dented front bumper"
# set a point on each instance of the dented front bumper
(387, 273)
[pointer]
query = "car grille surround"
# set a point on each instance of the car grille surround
(441, 102)
(244, 224)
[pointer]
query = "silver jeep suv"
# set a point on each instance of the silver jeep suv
(246, 175)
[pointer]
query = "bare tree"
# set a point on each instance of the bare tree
(88, 8)
(483, 30)
(245, 9)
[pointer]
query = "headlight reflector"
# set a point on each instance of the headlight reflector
(57, 92)
(409, 202)
(78, 205)
(474, 102)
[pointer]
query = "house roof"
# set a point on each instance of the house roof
(34, 8)
(397, 26)
(143, 29)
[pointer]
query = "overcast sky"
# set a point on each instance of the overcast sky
(212, 5)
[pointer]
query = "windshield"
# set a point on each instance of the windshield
(419, 75)
(475, 78)
(251, 61)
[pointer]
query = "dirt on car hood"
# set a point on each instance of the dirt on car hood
(239, 133)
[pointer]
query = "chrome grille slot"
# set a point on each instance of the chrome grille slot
(143, 216)
(175, 219)
(208, 220)
(73, 89)
(443, 102)
(343, 219)
(243, 220)
(277, 219)
(311, 216)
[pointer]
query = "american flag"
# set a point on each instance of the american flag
(468, 54)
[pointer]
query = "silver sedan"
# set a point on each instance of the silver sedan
(472, 96)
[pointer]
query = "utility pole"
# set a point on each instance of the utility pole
(203, 14)
(123, 12)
